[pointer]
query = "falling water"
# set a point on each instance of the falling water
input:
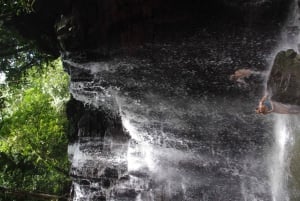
(280, 160)
(283, 131)
(194, 134)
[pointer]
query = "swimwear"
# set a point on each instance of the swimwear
(269, 105)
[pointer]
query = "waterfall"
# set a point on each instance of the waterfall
(283, 131)
(290, 33)
(280, 158)
(193, 132)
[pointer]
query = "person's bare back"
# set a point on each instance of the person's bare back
(240, 75)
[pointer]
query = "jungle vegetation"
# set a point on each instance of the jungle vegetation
(17, 54)
(33, 124)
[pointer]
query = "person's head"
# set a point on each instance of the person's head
(261, 109)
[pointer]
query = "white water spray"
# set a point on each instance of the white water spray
(283, 133)
(280, 159)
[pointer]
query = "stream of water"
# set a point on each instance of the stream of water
(284, 132)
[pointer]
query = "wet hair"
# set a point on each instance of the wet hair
(261, 110)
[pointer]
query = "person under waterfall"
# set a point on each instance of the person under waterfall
(267, 106)
(240, 75)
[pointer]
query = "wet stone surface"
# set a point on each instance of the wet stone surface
(193, 132)
(284, 84)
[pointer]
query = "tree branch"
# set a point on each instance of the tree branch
(26, 194)
(6, 17)
(9, 52)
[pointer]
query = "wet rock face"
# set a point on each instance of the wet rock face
(284, 83)
(193, 132)
(252, 3)
(97, 150)
(98, 26)
(159, 72)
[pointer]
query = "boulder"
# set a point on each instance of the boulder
(284, 80)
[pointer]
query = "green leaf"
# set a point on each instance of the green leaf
(32, 131)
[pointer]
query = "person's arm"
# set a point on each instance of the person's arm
(285, 109)
(263, 99)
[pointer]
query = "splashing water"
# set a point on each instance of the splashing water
(290, 34)
(184, 146)
(283, 132)
(280, 158)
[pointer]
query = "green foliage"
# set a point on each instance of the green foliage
(10, 7)
(33, 142)
(17, 54)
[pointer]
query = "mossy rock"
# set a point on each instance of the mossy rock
(284, 80)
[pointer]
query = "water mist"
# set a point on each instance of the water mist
(283, 131)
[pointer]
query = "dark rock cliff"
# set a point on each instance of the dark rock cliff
(284, 84)
(100, 25)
